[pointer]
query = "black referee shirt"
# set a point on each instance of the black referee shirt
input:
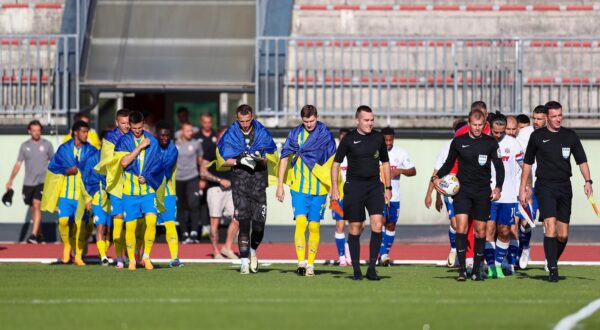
(475, 156)
(364, 153)
(552, 151)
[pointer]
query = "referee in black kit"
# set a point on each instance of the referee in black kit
(475, 153)
(365, 149)
(552, 147)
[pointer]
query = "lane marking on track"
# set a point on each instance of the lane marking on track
(570, 321)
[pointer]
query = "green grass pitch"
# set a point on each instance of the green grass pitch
(216, 296)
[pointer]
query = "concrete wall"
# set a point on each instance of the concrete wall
(413, 211)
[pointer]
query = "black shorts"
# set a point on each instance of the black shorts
(554, 200)
(359, 195)
(32, 192)
(473, 202)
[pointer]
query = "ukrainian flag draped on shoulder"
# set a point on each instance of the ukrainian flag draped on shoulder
(62, 160)
(108, 149)
(169, 160)
(152, 171)
(94, 182)
(316, 153)
(232, 145)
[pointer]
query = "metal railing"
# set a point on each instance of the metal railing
(425, 77)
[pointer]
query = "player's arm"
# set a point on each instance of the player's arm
(201, 166)
(280, 194)
(13, 174)
(129, 158)
(335, 172)
(499, 167)
(446, 168)
(584, 168)
(388, 180)
(403, 171)
(429, 191)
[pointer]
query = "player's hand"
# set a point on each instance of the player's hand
(387, 195)
(523, 198)
(145, 143)
(436, 185)
(438, 203)
(141, 179)
(71, 171)
(202, 184)
(88, 206)
(225, 184)
(256, 156)
(246, 160)
(428, 201)
(9, 185)
(335, 195)
(587, 189)
(495, 195)
(280, 194)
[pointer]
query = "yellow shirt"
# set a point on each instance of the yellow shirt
(132, 185)
(304, 181)
(93, 138)
(71, 187)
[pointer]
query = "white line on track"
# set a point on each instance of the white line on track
(569, 322)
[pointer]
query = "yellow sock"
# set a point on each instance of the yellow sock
(313, 240)
(72, 236)
(300, 237)
(63, 229)
(101, 244)
(80, 238)
(107, 244)
(149, 234)
(172, 239)
(118, 236)
(139, 234)
(130, 241)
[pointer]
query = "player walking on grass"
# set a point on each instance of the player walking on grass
(475, 152)
(400, 164)
(64, 187)
(365, 149)
(167, 218)
(307, 146)
(551, 148)
(116, 205)
(140, 172)
(503, 211)
(245, 147)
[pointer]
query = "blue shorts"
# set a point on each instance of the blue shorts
(136, 206)
(503, 213)
(171, 213)
(67, 208)
(534, 207)
(394, 212)
(116, 205)
(312, 206)
(449, 207)
(335, 215)
(101, 217)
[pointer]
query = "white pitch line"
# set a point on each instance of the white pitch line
(569, 322)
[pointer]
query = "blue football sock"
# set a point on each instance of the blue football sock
(340, 241)
(501, 251)
(513, 249)
(452, 237)
(490, 253)
(386, 242)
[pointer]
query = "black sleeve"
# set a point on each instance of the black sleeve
(530, 152)
(342, 150)
(577, 150)
(383, 153)
(450, 160)
(498, 165)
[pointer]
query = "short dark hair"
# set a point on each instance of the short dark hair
(78, 116)
(244, 109)
(523, 119)
(182, 109)
(362, 108)
(498, 119)
(476, 114)
(35, 122)
(162, 125)
(122, 113)
(458, 123)
(479, 105)
(308, 111)
(136, 117)
(540, 109)
(78, 125)
(552, 105)
(387, 131)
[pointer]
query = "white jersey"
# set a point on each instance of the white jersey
(511, 153)
(399, 159)
(442, 155)
(344, 168)
(523, 139)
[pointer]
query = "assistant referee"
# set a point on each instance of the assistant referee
(551, 147)
(365, 149)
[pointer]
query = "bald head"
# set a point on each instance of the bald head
(512, 128)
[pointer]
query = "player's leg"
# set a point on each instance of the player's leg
(193, 196)
(36, 219)
(548, 211)
(563, 217)
(183, 210)
(300, 205)
(63, 229)
(80, 241)
(375, 204)
(233, 227)
(100, 239)
(340, 237)
(481, 208)
(130, 241)
(149, 237)
(316, 213)
(490, 239)
(525, 234)
(259, 218)
(354, 211)
(451, 232)
(470, 245)
(244, 216)
(502, 247)
(216, 203)
(392, 213)
(513, 250)
(118, 237)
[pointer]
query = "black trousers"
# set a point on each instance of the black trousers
(188, 204)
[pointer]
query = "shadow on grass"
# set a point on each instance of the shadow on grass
(544, 276)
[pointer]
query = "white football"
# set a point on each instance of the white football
(450, 185)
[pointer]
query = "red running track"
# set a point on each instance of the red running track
(283, 251)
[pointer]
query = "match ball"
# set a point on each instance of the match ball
(450, 185)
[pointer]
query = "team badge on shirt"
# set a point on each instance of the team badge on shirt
(566, 152)
(376, 154)
(483, 159)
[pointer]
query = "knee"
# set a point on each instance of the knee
(562, 237)
(390, 226)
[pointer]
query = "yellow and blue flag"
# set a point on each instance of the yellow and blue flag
(169, 156)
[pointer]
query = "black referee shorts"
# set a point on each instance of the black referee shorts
(32, 192)
(359, 195)
(474, 202)
(554, 200)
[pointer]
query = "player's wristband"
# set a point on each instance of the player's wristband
(433, 178)
(388, 187)
(589, 181)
